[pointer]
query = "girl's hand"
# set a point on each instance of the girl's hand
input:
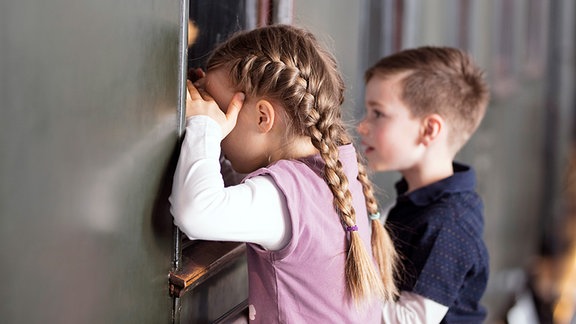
(198, 102)
(195, 74)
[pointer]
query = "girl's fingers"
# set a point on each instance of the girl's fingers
(197, 93)
(193, 93)
(199, 102)
(200, 73)
(232, 112)
(200, 80)
(235, 105)
(194, 74)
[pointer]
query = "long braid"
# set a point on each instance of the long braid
(327, 133)
(362, 278)
(382, 245)
(307, 83)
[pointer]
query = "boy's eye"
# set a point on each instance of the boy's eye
(377, 114)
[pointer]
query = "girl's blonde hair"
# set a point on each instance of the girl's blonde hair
(286, 64)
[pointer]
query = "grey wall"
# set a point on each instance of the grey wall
(88, 128)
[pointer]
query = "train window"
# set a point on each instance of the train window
(211, 22)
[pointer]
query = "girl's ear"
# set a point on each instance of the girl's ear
(266, 115)
(432, 126)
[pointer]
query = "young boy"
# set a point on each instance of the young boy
(422, 106)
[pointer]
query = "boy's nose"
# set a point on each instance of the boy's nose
(361, 128)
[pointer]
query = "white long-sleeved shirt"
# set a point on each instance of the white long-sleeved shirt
(254, 211)
(412, 308)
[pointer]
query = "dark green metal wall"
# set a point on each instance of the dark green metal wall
(88, 131)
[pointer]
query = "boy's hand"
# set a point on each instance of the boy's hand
(198, 102)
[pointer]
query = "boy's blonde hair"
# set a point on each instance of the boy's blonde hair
(287, 65)
(439, 80)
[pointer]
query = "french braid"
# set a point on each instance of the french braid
(286, 64)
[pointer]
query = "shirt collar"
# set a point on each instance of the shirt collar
(463, 179)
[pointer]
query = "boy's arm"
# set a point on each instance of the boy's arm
(413, 308)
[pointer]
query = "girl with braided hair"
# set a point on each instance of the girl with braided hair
(271, 99)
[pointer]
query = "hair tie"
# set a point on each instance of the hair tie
(375, 216)
(351, 228)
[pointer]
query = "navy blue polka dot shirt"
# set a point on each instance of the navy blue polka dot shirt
(437, 231)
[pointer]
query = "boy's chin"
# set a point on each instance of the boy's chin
(377, 167)
(373, 167)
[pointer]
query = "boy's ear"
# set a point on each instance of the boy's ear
(432, 126)
(266, 115)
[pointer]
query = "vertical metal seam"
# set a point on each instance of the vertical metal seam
(181, 109)
(182, 66)
(181, 120)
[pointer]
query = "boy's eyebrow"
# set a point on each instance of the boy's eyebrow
(374, 103)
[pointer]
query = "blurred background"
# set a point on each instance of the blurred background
(91, 96)
(522, 151)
